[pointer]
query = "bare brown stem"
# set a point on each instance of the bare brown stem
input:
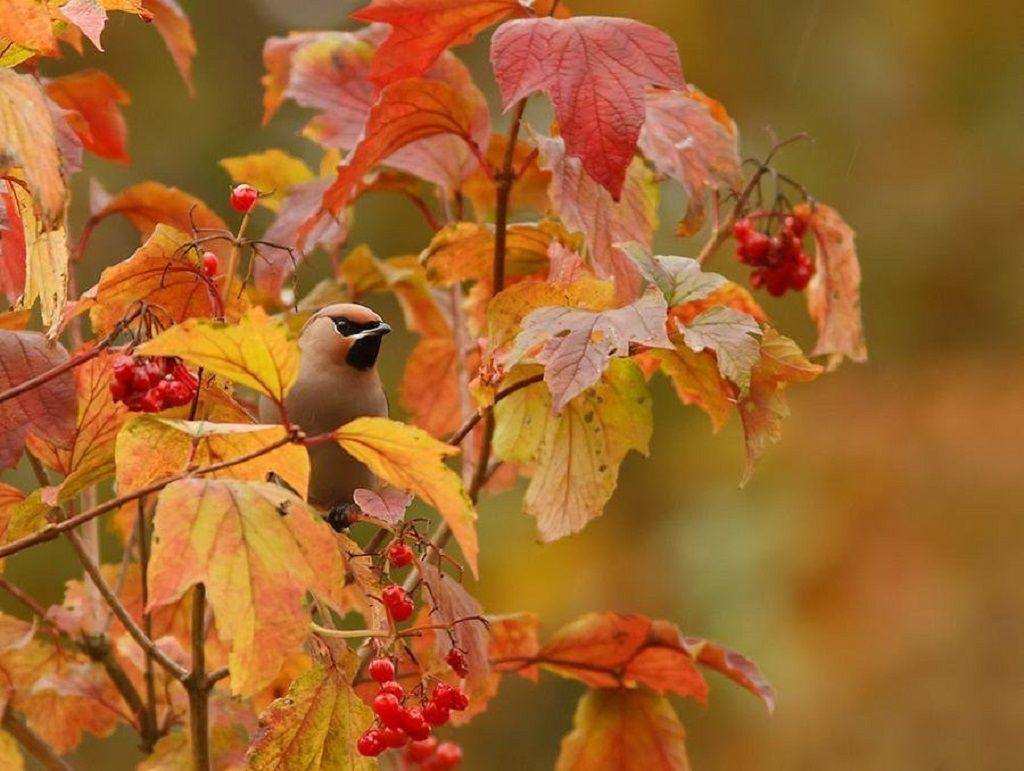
(198, 686)
(16, 726)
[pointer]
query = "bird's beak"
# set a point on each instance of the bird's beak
(381, 329)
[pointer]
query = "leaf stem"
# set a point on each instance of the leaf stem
(147, 617)
(16, 726)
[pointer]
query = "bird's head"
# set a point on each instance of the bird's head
(345, 333)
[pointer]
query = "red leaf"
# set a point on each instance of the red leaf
(405, 112)
(48, 411)
(94, 97)
(595, 70)
(12, 246)
(733, 665)
(422, 29)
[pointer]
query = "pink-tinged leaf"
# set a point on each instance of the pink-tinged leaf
(575, 346)
(680, 279)
(405, 112)
(732, 335)
(595, 70)
(176, 30)
(565, 266)
(624, 729)
(692, 139)
(89, 16)
(422, 29)
(93, 97)
(66, 127)
(48, 411)
(388, 505)
(733, 665)
(586, 207)
(12, 245)
(833, 296)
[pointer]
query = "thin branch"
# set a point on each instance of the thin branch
(198, 686)
(469, 425)
(505, 179)
(140, 637)
(147, 617)
(347, 634)
(16, 726)
(54, 529)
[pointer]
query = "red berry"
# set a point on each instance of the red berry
(394, 737)
(776, 282)
(414, 724)
(435, 713)
(800, 277)
(743, 229)
(457, 661)
(389, 709)
(421, 750)
(382, 670)
(151, 402)
(123, 367)
(450, 697)
(449, 754)
(399, 555)
(140, 379)
(174, 393)
(210, 264)
(118, 390)
(403, 611)
(796, 225)
(371, 744)
(243, 197)
(393, 594)
(394, 688)
(757, 247)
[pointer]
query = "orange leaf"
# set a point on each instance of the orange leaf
(607, 650)
(733, 665)
(422, 29)
(529, 189)
(513, 640)
(430, 385)
(464, 251)
(628, 730)
(696, 379)
(28, 23)
(48, 411)
(259, 550)
(833, 295)
(95, 96)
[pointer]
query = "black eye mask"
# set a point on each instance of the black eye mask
(366, 340)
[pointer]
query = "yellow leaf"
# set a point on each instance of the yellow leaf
(46, 262)
(696, 378)
(272, 172)
(259, 550)
(409, 458)
(257, 352)
(624, 729)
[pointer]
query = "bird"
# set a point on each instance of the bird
(337, 382)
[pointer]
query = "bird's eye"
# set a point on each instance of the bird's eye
(343, 326)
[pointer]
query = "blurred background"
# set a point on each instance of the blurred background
(872, 567)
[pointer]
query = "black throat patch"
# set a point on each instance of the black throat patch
(364, 351)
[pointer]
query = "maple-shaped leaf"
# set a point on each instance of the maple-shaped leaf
(696, 380)
(93, 97)
(733, 665)
(410, 459)
(680, 279)
(575, 346)
(464, 251)
(422, 29)
(176, 30)
(314, 727)
(732, 335)
(764, 406)
(608, 650)
(257, 352)
(624, 729)
(90, 456)
(165, 274)
(595, 70)
(691, 138)
(575, 455)
(586, 207)
(273, 172)
(151, 448)
(387, 505)
(28, 141)
(529, 189)
(404, 112)
(833, 295)
(258, 549)
(48, 411)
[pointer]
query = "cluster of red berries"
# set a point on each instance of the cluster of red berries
(151, 384)
(397, 601)
(780, 261)
(399, 724)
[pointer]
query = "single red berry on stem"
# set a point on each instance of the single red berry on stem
(381, 670)
(399, 554)
(210, 264)
(371, 744)
(421, 750)
(243, 198)
(742, 230)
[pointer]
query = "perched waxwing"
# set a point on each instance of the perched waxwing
(337, 382)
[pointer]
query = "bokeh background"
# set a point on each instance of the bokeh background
(873, 565)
